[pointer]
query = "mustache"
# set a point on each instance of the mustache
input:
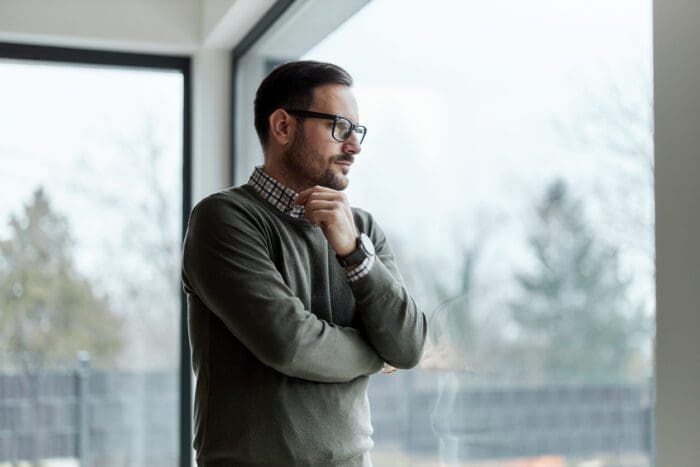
(345, 158)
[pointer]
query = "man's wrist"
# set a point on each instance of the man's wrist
(364, 248)
(346, 251)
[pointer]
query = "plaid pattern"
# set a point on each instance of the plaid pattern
(361, 270)
(275, 193)
(283, 198)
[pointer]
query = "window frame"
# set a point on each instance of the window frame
(179, 63)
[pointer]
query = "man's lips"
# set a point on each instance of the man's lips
(346, 161)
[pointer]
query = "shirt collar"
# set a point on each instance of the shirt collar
(278, 195)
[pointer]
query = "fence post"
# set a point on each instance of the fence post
(83, 435)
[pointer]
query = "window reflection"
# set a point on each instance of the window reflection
(509, 165)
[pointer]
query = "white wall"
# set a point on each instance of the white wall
(211, 167)
(211, 121)
(166, 26)
(677, 141)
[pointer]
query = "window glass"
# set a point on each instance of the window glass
(509, 159)
(89, 250)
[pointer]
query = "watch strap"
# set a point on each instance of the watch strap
(363, 250)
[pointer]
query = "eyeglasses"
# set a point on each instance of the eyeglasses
(342, 127)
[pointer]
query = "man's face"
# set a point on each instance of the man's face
(314, 157)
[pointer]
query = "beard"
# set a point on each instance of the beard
(308, 168)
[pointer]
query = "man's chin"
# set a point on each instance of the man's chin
(338, 185)
(336, 181)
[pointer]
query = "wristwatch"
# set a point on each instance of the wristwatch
(364, 248)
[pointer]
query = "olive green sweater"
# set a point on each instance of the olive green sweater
(282, 344)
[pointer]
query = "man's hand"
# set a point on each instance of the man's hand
(330, 210)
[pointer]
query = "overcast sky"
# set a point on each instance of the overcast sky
(461, 101)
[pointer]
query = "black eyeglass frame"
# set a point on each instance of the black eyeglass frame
(353, 127)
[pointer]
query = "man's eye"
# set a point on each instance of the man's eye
(342, 126)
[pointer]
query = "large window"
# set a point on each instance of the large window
(90, 305)
(509, 158)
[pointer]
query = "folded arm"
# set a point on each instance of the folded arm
(394, 325)
(226, 263)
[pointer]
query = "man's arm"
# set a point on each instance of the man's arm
(394, 325)
(227, 265)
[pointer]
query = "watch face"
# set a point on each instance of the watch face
(367, 244)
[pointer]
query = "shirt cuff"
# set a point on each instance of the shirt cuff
(362, 269)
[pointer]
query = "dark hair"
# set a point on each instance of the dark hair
(291, 85)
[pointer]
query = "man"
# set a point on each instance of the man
(294, 298)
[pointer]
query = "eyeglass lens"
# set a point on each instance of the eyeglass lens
(343, 128)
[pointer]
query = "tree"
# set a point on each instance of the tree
(144, 281)
(573, 311)
(48, 312)
(616, 121)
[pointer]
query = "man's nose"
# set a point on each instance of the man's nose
(352, 144)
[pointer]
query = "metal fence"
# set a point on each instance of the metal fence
(102, 418)
(118, 418)
(454, 418)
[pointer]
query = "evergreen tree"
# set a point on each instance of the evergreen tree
(48, 312)
(573, 312)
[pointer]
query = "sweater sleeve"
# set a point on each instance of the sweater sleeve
(393, 323)
(227, 265)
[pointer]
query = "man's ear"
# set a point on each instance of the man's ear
(282, 127)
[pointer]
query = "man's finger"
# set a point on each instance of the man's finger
(323, 217)
(338, 199)
(317, 191)
(315, 204)
(329, 216)
(303, 196)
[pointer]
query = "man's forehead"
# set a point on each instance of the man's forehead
(335, 98)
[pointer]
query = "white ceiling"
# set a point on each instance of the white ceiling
(158, 26)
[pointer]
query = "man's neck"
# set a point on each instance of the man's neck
(286, 178)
